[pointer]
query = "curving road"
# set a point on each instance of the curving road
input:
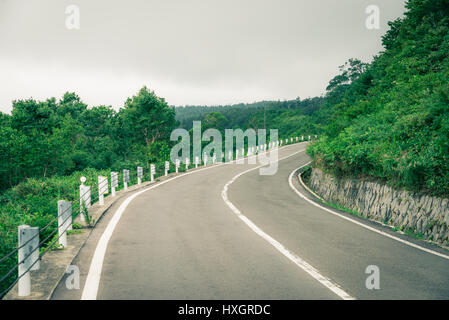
(220, 234)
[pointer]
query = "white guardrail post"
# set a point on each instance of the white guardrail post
(64, 220)
(177, 164)
(125, 179)
(28, 255)
(139, 175)
(85, 198)
(187, 163)
(167, 167)
(205, 159)
(102, 189)
(114, 182)
(152, 171)
(197, 160)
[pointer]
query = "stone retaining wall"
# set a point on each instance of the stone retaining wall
(422, 214)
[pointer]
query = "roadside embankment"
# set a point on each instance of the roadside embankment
(425, 216)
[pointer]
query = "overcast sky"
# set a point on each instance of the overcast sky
(188, 51)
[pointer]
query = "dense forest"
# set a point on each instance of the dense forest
(291, 117)
(46, 138)
(46, 146)
(244, 116)
(390, 118)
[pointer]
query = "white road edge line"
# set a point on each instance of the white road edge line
(92, 283)
(357, 222)
(290, 255)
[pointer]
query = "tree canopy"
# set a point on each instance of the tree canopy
(46, 138)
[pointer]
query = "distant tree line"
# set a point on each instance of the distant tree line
(46, 138)
(289, 117)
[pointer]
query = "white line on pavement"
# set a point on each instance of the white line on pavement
(90, 290)
(360, 223)
(290, 255)
(92, 284)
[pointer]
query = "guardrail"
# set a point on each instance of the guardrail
(31, 248)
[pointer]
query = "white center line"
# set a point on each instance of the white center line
(290, 255)
(90, 290)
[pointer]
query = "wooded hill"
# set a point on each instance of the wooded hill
(387, 120)
(390, 118)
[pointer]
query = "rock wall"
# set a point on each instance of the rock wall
(428, 216)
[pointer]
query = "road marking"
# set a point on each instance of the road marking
(90, 290)
(411, 244)
(290, 255)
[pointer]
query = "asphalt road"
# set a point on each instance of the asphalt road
(182, 241)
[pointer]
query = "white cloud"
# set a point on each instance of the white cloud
(188, 51)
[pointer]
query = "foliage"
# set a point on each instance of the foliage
(46, 146)
(55, 138)
(391, 122)
(292, 117)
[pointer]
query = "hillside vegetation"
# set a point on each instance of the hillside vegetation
(291, 117)
(46, 146)
(387, 120)
(390, 119)
(46, 138)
